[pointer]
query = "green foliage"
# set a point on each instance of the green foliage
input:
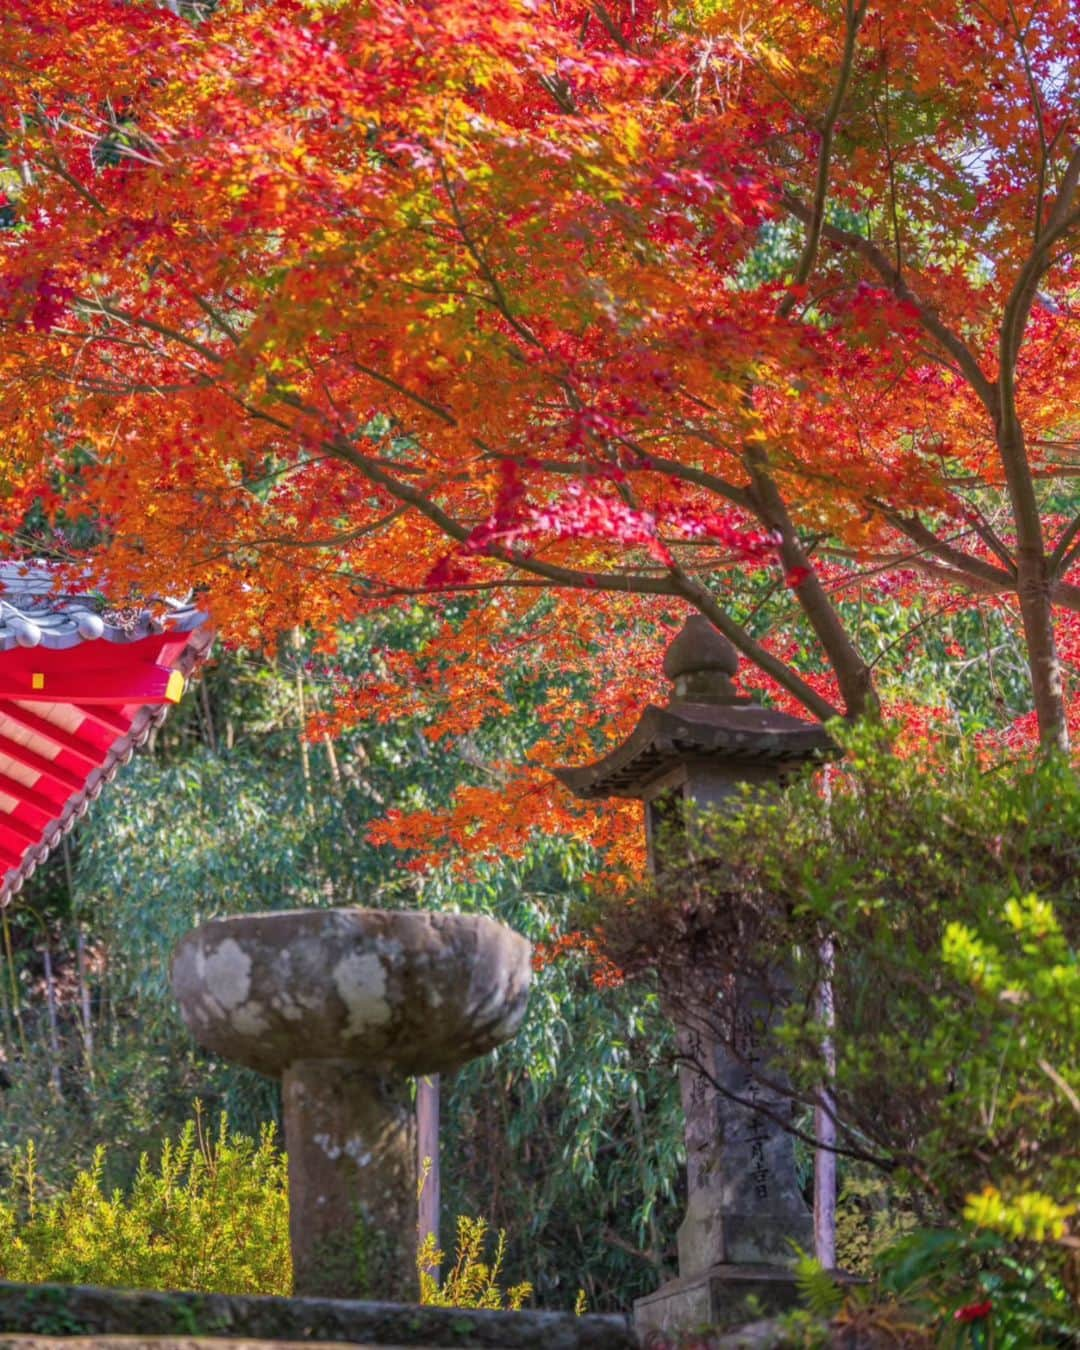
(472, 1282)
(1027, 1215)
(141, 1092)
(818, 1290)
(976, 1289)
(872, 1213)
(212, 1216)
(951, 895)
(569, 1138)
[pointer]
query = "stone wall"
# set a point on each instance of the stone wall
(74, 1310)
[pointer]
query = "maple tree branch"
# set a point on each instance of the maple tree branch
(967, 563)
(854, 15)
(853, 675)
(1064, 553)
(218, 320)
(454, 529)
(1049, 471)
(651, 463)
(1037, 109)
(783, 1120)
(952, 576)
(852, 672)
(1062, 593)
(56, 165)
(80, 189)
(93, 306)
(335, 541)
(738, 496)
(487, 272)
(1017, 310)
(676, 583)
(990, 537)
(928, 315)
(380, 590)
(421, 402)
(610, 26)
(559, 91)
(95, 384)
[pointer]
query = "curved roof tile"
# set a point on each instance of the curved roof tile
(33, 613)
(34, 616)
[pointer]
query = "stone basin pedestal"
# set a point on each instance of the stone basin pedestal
(345, 1005)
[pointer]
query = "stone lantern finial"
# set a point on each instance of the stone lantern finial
(701, 662)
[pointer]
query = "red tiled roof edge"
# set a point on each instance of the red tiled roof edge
(200, 637)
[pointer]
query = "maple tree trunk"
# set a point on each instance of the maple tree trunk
(1033, 581)
(853, 675)
(1037, 614)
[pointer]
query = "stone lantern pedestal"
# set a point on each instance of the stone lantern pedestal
(746, 1213)
(345, 1005)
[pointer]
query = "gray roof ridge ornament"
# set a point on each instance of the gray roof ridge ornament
(34, 612)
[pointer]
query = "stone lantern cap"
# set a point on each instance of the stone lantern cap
(705, 720)
(399, 992)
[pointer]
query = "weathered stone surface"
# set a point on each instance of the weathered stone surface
(73, 1310)
(722, 1297)
(345, 1005)
(352, 1157)
(745, 1205)
(399, 992)
(167, 1343)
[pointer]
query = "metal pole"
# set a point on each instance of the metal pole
(427, 1132)
(825, 1125)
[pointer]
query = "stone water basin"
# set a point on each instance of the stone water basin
(402, 992)
(345, 1006)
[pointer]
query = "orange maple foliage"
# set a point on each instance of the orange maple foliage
(590, 311)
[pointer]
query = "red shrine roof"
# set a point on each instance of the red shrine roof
(82, 685)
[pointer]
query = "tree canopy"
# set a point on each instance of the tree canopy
(588, 312)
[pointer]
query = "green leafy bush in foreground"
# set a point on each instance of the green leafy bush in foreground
(213, 1216)
(938, 903)
(473, 1282)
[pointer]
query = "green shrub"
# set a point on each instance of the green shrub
(472, 1282)
(950, 898)
(213, 1216)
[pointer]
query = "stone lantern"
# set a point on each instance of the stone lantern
(685, 762)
